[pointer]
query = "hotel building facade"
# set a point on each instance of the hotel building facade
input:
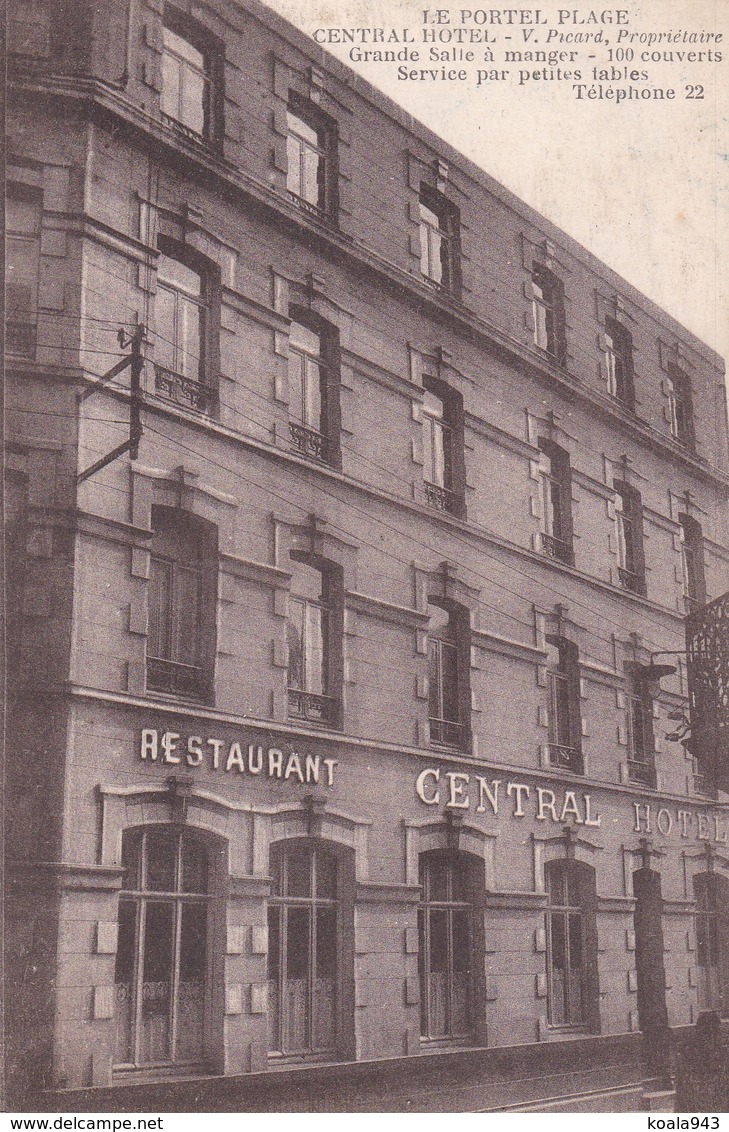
(340, 775)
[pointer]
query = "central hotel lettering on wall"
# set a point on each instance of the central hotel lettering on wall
(457, 790)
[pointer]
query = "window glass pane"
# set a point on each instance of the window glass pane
(171, 86)
(575, 941)
(298, 126)
(297, 943)
(159, 601)
(438, 870)
(179, 276)
(194, 92)
(183, 47)
(459, 879)
(186, 619)
(295, 641)
(124, 992)
(326, 942)
(126, 942)
(297, 386)
(193, 941)
(312, 395)
(556, 886)
(438, 940)
(194, 866)
(461, 940)
(165, 320)
(274, 940)
(326, 876)
(315, 626)
(449, 681)
(298, 873)
(311, 163)
(558, 972)
(161, 859)
(435, 691)
(293, 165)
(157, 981)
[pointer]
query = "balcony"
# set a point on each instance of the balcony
(181, 128)
(311, 706)
(173, 677)
(307, 206)
(629, 580)
(447, 732)
(440, 497)
(643, 771)
(556, 548)
(20, 338)
(181, 390)
(568, 758)
(311, 444)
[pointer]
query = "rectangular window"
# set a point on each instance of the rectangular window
(185, 100)
(439, 241)
(444, 682)
(22, 233)
(641, 740)
(313, 391)
(680, 411)
(571, 945)
(563, 682)
(182, 312)
(309, 645)
(619, 362)
(443, 471)
(311, 158)
(181, 613)
(548, 313)
(629, 530)
(556, 482)
(445, 954)
(692, 563)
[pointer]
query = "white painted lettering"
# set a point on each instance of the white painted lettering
(330, 765)
(640, 818)
(518, 788)
(457, 800)
(149, 744)
(684, 816)
(589, 820)
(664, 821)
(216, 744)
(570, 808)
(257, 766)
(426, 775)
(488, 791)
(275, 762)
(722, 839)
(703, 833)
(312, 768)
(169, 746)
(235, 758)
(293, 766)
(194, 750)
(546, 802)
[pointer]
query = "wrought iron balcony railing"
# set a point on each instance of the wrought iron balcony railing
(310, 443)
(643, 771)
(20, 338)
(446, 732)
(310, 705)
(569, 758)
(307, 206)
(173, 677)
(440, 497)
(181, 128)
(630, 580)
(556, 548)
(182, 390)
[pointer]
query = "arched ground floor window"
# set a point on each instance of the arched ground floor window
(572, 985)
(162, 978)
(309, 950)
(449, 928)
(712, 941)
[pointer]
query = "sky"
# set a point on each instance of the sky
(644, 185)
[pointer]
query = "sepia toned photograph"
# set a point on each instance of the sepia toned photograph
(366, 519)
